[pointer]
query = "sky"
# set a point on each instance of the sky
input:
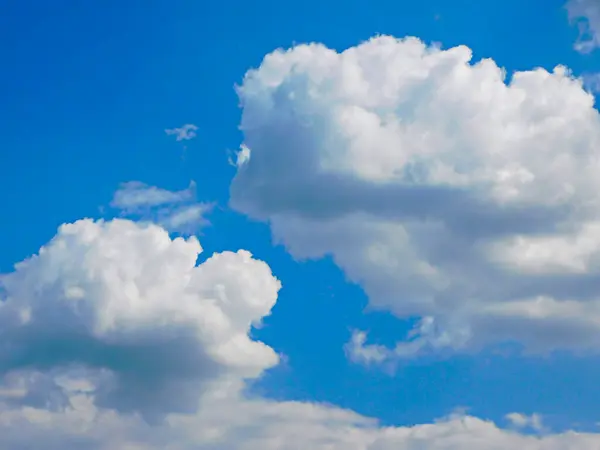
(327, 225)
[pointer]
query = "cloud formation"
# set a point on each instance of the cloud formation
(124, 306)
(226, 423)
(134, 196)
(184, 133)
(534, 421)
(586, 14)
(592, 82)
(113, 337)
(446, 191)
(174, 210)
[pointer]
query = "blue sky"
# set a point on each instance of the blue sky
(87, 95)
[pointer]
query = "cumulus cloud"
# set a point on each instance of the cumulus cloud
(174, 210)
(184, 133)
(128, 306)
(586, 13)
(446, 191)
(113, 325)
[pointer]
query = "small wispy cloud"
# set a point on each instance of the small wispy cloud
(242, 156)
(425, 337)
(591, 81)
(177, 211)
(134, 195)
(586, 14)
(183, 133)
(187, 218)
(519, 420)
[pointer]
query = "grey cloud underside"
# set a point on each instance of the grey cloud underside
(326, 196)
(448, 223)
(155, 376)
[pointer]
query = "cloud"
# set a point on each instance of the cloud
(183, 133)
(586, 13)
(174, 210)
(423, 338)
(445, 191)
(134, 195)
(241, 157)
(127, 305)
(519, 420)
(592, 82)
(113, 326)
(235, 423)
(190, 215)
(358, 352)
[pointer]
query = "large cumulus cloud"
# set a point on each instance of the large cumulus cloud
(125, 307)
(448, 191)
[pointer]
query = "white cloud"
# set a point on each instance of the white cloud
(444, 191)
(534, 421)
(129, 304)
(113, 322)
(241, 424)
(586, 13)
(183, 133)
(174, 210)
(241, 157)
(134, 195)
(358, 352)
(190, 215)
(425, 337)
